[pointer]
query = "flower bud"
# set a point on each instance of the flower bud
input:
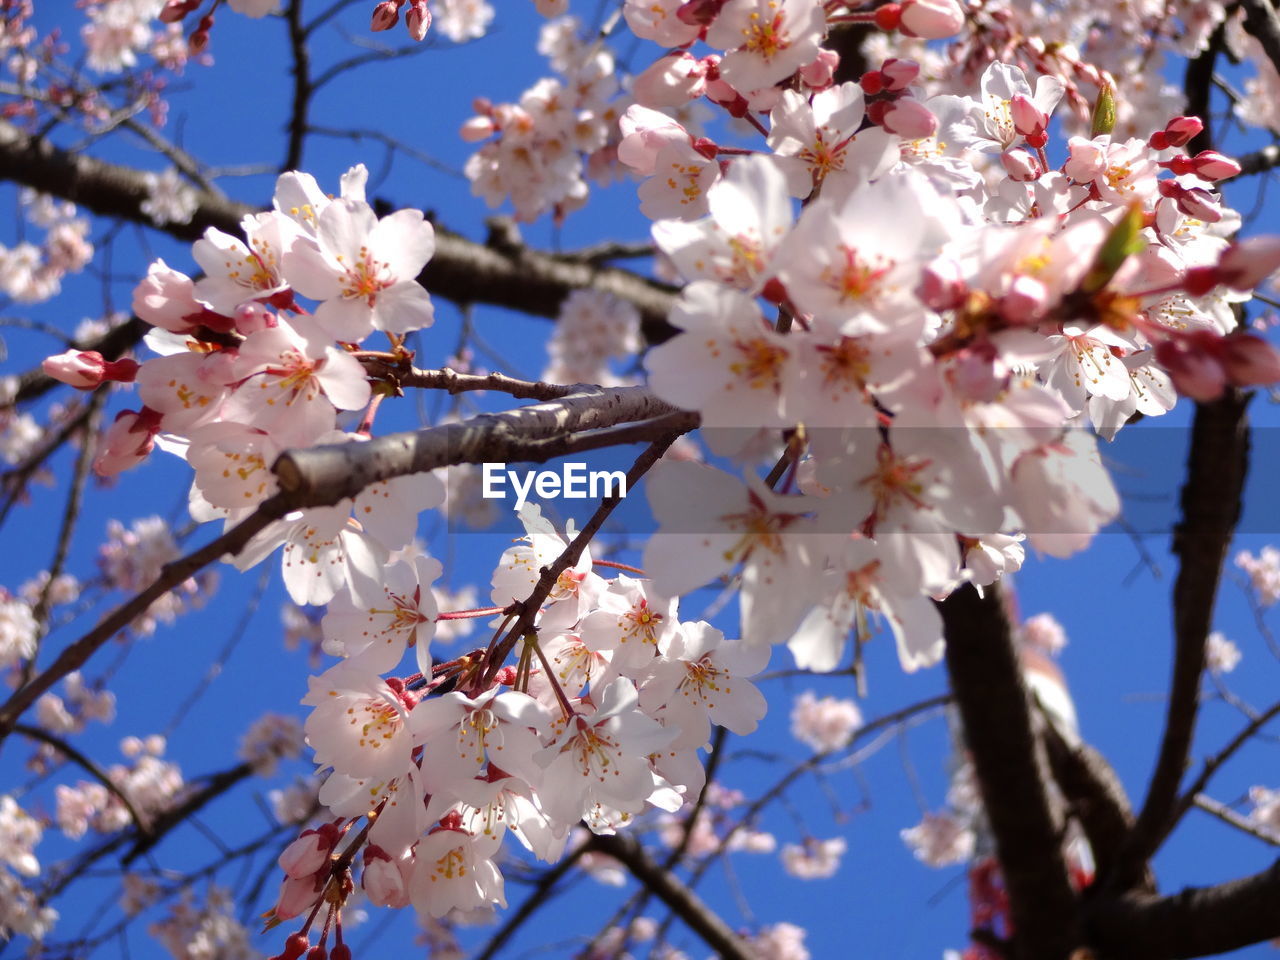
(931, 19)
(1028, 119)
(1192, 201)
(127, 442)
(418, 19)
(175, 10)
(1194, 370)
(899, 74)
(821, 71)
(384, 882)
(1246, 264)
(199, 40)
(941, 286)
(306, 855)
(477, 129)
(1025, 302)
(1249, 360)
(295, 897)
(909, 119)
(1212, 166)
(1179, 132)
(85, 369)
(1020, 165)
(385, 15)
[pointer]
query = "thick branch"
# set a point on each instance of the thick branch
(1197, 922)
(1261, 21)
(323, 475)
(1095, 793)
(512, 276)
(1012, 772)
(683, 902)
(1216, 468)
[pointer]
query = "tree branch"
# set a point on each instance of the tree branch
(1197, 922)
(684, 902)
(1012, 772)
(515, 276)
(1261, 21)
(1216, 468)
(325, 474)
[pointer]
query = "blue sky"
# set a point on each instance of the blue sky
(1113, 602)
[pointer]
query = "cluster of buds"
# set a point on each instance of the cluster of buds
(387, 14)
(892, 106)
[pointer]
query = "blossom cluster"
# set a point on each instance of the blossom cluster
(955, 320)
(601, 719)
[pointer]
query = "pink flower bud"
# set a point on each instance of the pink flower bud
(198, 42)
(175, 10)
(418, 19)
(1250, 360)
(127, 441)
(1212, 166)
(820, 72)
(306, 855)
(931, 19)
(81, 369)
(671, 81)
(384, 880)
(899, 74)
(941, 286)
(1192, 201)
(1182, 130)
(1020, 165)
(1028, 119)
(477, 129)
(385, 15)
(1158, 141)
(253, 316)
(296, 896)
(165, 297)
(1246, 264)
(909, 119)
(1193, 368)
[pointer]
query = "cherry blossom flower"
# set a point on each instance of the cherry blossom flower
(702, 681)
(814, 859)
(290, 384)
(826, 723)
(235, 272)
(750, 214)
(360, 722)
(601, 760)
(818, 143)
(767, 40)
(729, 364)
(365, 270)
(377, 630)
(940, 839)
